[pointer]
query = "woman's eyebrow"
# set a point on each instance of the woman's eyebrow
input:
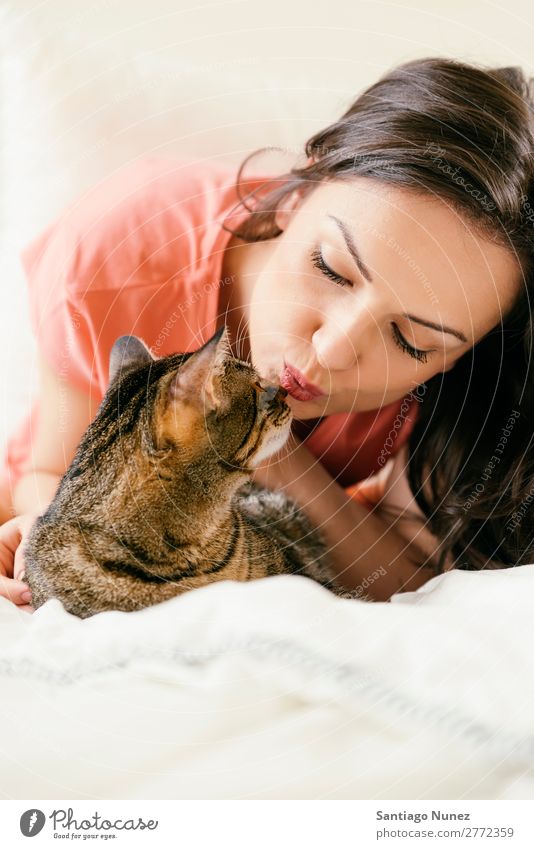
(353, 250)
(434, 326)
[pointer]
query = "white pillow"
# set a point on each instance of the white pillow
(276, 689)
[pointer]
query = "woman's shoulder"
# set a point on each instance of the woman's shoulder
(139, 225)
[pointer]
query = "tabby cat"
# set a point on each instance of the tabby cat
(158, 498)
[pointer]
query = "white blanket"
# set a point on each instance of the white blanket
(276, 689)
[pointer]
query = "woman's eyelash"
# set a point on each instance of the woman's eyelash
(399, 339)
(319, 263)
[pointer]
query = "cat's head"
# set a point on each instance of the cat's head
(206, 404)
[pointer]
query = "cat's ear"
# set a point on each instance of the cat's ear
(128, 353)
(198, 379)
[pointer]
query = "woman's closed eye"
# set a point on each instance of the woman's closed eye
(318, 261)
(401, 342)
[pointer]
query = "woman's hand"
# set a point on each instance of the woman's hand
(370, 490)
(12, 536)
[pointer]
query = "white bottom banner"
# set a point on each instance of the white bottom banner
(267, 824)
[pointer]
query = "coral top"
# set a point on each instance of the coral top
(142, 253)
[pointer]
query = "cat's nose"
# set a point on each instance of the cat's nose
(276, 393)
(273, 393)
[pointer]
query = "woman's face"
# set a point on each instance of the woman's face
(418, 288)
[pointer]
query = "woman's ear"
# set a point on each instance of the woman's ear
(283, 215)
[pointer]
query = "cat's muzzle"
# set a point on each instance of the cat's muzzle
(271, 396)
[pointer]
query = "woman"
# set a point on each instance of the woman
(386, 284)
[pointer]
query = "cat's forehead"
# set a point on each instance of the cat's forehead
(174, 360)
(241, 365)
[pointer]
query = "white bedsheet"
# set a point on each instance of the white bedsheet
(276, 689)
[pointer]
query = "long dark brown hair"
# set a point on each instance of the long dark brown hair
(464, 134)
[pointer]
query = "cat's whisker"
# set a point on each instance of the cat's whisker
(240, 336)
(291, 440)
(226, 314)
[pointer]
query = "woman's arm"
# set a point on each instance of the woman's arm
(411, 522)
(369, 551)
(64, 414)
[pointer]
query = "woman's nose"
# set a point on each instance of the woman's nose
(339, 343)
